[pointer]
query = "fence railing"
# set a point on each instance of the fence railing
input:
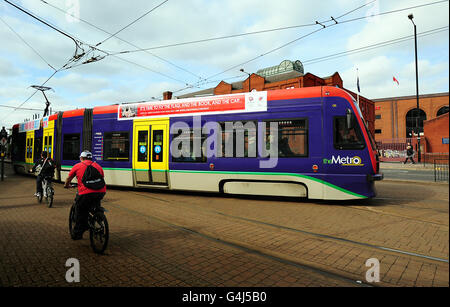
(391, 150)
(441, 170)
(429, 157)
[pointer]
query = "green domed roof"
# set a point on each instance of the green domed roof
(284, 67)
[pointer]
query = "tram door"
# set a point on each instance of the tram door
(48, 136)
(151, 151)
(29, 147)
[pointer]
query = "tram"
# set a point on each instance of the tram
(307, 142)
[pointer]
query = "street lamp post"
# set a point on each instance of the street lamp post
(249, 77)
(410, 16)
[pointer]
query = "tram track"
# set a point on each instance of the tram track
(249, 250)
(372, 210)
(339, 239)
(325, 236)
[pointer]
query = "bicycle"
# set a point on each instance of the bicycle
(98, 227)
(47, 190)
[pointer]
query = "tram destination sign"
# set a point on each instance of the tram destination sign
(237, 103)
(33, 125)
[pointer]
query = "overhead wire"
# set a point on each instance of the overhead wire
(205, 81)
(322, 28)
(26, 109)
(119, 38)
(77, 46)
(236, 35)
(133, 22)
(214, 39)
(77, 42)
(76, 57)
(273, 50)
(374, 46)
(278, 29)
(359, 7)
(26, 43)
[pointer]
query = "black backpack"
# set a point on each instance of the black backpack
(92, 178)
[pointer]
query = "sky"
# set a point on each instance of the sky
(194, 44)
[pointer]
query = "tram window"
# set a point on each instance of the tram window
(157, 146)
(71, 146)
(28, 149)
(239, 139)
(292, 138)
(49, 149)
(345, 138)
(186, 150)
(116, 146)
(30, 152)
(142, 146)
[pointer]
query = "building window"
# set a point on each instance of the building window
(377, 131)
(442, 111)
(116, 146)
(414, 121)
(378, 116)
(347, 138)
(71, 146)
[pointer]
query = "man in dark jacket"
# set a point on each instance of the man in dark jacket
(45, 167)
(409, 154)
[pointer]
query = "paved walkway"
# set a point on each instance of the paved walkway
(182, 239)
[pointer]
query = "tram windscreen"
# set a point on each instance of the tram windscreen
(345, 137)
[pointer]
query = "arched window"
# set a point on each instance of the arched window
(442, 110)
(414, 119)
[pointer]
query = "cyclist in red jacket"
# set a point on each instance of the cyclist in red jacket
(86, 197)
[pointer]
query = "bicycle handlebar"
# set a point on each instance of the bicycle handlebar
(72, 185)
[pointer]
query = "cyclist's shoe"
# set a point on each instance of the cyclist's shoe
(37, 194)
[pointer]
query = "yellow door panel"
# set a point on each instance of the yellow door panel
(29, 147)
(151, 151)
(49, 136)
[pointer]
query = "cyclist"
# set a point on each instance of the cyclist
(46, 169)
(86, 197)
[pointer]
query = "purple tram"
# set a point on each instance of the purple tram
(309, 142)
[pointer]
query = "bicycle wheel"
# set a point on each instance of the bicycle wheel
(99, 233)
(72, 221)
(49, 197)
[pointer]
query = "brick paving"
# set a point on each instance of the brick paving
(35, 245)
(149, 245)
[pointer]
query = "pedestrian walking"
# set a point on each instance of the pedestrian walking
(409, 153)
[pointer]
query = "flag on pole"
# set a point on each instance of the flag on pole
(395, 80)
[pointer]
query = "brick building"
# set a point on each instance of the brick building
(397, 122)
(436, 130)
(287, 75)
(395, 117)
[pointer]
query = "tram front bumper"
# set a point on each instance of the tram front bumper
(375, 177)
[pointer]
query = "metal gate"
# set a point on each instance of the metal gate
(440, 170)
